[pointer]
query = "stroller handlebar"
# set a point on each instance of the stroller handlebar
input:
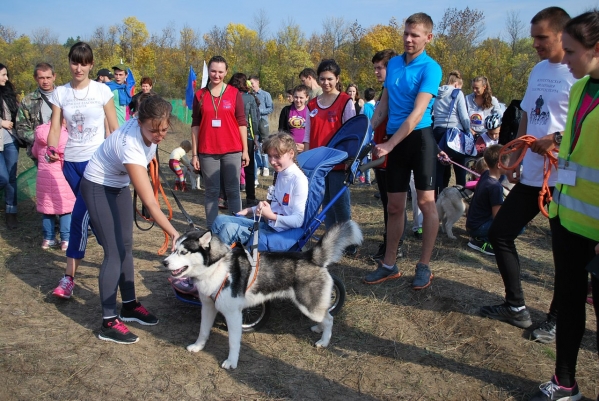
(372, 164)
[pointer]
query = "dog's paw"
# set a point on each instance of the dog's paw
(195, 347)
(322, 343)
(316, 328)
(227, 364)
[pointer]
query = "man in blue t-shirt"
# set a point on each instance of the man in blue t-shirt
(486, 201)
(412, 82)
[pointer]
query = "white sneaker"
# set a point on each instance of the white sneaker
(265, 172)
(256, 184)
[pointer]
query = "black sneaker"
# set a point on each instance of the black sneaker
(251, 202)
(380, 253)
(139, 315)
(545, 333)
(506, 313)
(551, 391)
(117, 332)
(351, 250)
(482, 246)
(418, 233)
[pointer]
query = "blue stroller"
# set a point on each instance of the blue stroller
(349, 145)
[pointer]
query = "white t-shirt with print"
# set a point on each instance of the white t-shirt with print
(124, 146)
(546, 105)
(84, 111)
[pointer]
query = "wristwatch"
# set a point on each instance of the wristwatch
(557, 138)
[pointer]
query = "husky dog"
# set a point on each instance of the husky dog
(452, 204)
(227, 283)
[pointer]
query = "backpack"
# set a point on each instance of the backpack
(510, 122)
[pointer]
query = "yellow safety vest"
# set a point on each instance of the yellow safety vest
(578, 206)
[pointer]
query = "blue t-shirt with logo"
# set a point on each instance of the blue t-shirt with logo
(404, 82)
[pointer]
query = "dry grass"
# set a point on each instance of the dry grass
(388, 343)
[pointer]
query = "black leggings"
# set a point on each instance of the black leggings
(111, 214)
(518, 209)
(571, 253)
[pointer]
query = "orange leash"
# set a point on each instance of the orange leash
(522, 145)
(157, 188)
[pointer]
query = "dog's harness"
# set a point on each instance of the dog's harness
(253, 257)
(465, 192)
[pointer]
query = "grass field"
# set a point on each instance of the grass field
(389, 342)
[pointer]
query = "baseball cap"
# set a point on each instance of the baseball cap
(121, 67)
(105, 72)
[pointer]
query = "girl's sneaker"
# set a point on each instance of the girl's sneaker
(64, 288)
(117, 332)
(64, 245)
(48, 243)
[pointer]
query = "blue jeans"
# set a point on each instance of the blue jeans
(481, 232)
(232, 228)
(48, 226)
(341, 210)
(8, 175)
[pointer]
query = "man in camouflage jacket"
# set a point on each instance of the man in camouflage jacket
(34, 110)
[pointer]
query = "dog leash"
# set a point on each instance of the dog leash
(155, 174)
(472, 172)
(522, 144)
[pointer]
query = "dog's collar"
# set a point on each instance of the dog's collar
(465, 192)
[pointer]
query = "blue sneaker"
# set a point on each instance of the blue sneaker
(382, 274)
(423, 277)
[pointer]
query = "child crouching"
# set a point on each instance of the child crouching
(179, 156)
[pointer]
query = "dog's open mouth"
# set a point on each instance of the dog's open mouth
(178, 272)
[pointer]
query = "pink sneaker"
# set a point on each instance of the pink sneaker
(48, 243)
(64, 245)
(65, 288)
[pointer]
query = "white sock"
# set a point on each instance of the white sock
(388, 267)
(517, 308)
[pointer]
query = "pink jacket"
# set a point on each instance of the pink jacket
(54, 195)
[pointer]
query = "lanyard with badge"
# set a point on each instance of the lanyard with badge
(216, 123)
(564, 176)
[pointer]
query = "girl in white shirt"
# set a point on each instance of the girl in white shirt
(84, 104)
(122, 159)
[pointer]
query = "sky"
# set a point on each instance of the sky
(67, 18)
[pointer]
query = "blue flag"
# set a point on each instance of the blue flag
(191, 88)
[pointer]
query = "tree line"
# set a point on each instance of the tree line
(278, 57)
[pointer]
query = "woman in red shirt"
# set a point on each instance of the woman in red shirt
(219, 138)
(328, 112)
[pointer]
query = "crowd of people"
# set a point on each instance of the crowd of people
(91, 139)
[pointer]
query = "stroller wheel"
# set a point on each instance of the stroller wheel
(255, 317)
(337, 296)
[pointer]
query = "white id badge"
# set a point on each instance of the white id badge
(216, 123)
(566, 177)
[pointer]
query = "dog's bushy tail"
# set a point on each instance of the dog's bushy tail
(331, 246)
